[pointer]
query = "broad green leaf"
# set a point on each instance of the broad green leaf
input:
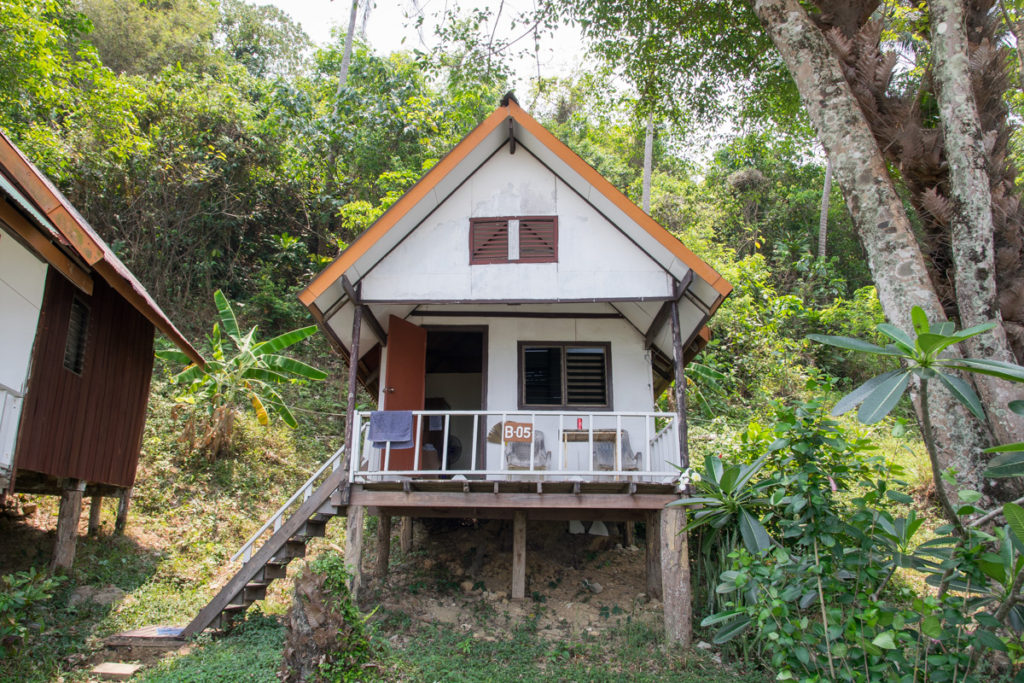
(883, 399)
(279, 407)
(188, 375)
(974, 330)
(729, 477)
(1014, 515)
(969, 496)
(1017, 406)
(720, 617)
(963, 392)
(852, 344)
(713, 469)
(295, 367)
(755, 538)
(945, 328)
(750, 470)
(283, 341)
(920, 320)
(1006, 448)
(931, 626)
(731, 630)
(227, 316)
(989, 640)
(264, 375)
(933, 344)
(995, 368)
(174, 356)
(901, 338)
(857, 396)
(885, 640)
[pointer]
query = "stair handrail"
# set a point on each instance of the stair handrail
(303, 491)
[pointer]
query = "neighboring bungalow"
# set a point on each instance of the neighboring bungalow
(529, 316)
(76, 353)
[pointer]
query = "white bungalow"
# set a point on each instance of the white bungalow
(529, 315)
(515, 285)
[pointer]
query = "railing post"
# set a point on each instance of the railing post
(444, 442)
(476, 437)
(417, 442)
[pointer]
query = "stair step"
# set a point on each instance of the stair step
(252, 592)
(292, 548)
(313, 529)
(230, 615)
(272, 570)
(321, 517)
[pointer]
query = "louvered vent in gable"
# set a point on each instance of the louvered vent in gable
(488, 240)
(538, 239)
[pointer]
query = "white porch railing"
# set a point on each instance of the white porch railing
(576, 446)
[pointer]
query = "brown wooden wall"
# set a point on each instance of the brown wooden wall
(87, 426)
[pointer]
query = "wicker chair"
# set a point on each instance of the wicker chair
(604, 455)
(517, 454)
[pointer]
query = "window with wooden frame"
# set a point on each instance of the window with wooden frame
(78, 332)
(573, 376)
(513, 239)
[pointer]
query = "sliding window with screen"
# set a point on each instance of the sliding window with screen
(513, 239)
(573, 376)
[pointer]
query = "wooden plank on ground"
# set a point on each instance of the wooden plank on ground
(115, 671)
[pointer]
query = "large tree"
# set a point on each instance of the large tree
(833, 58)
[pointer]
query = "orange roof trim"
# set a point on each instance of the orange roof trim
(364, 242)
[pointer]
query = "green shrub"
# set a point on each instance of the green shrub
(22, 596)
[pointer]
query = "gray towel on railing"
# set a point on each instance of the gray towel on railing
(394, 426)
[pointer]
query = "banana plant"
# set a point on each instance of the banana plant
(921, 356)
(248, 376)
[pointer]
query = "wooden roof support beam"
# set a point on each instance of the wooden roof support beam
(38, 242)
(662, 315)
(354, 294)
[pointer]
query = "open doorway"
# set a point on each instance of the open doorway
(456, 379)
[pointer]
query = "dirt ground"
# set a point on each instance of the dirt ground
(459, 573)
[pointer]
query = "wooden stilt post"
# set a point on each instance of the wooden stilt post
(67, 524)
(405, 540)
(353, 383)
(95, 510)
(383, 545)
(653, 547)
(354, 547)
(122, 511)
(680, 388)
(675, 576)
(519, 555)
(675, 558)
(629, 534)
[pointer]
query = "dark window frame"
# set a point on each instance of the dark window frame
(76, 346)
(552, 258)
(564, 405)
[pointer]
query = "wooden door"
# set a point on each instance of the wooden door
(404, 378)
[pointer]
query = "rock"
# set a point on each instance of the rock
(596, 587)
(466, 586)
(641, 598)
(103, 595)
(427, 563)
(108, 595)
(28, 509)
(704, 646)
(501, 595)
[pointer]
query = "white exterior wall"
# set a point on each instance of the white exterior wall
(22, 281)
(631, 380)
(595, 259)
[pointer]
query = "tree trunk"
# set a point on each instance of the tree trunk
(971, 215)
(346, 57)
(648, 163)
(894, 256)
(826, 196)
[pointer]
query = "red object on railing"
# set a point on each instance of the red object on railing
(579, 423)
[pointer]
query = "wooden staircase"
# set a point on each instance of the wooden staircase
(288, 541)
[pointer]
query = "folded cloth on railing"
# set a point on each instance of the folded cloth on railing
(394, 426)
